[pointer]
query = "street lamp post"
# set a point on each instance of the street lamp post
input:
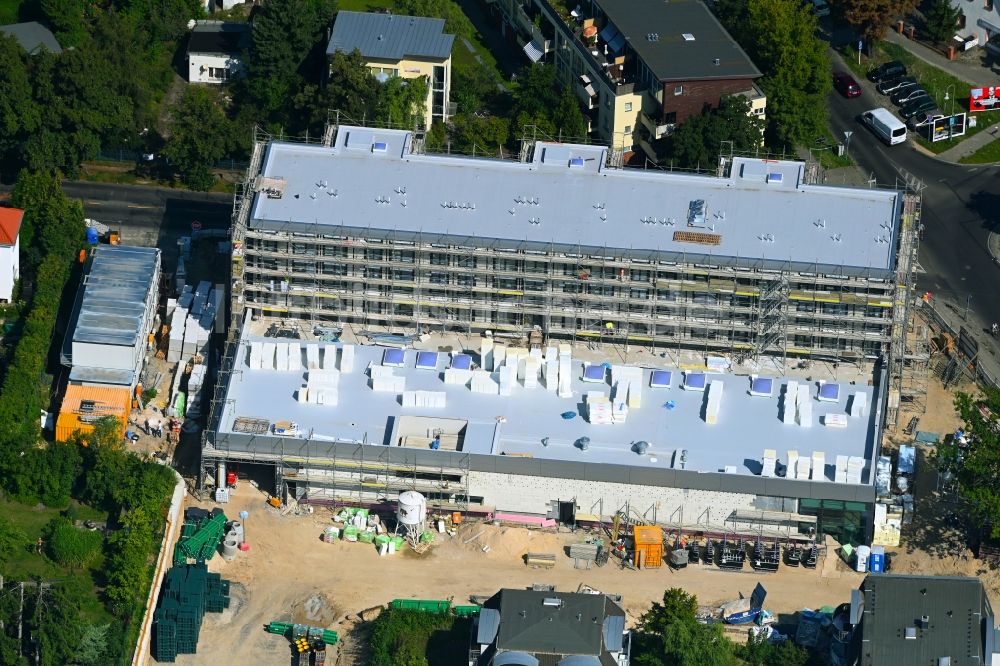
(949, 94)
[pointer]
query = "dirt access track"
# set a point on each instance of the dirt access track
(290, 574)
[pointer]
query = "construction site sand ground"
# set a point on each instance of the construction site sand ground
(289, 574)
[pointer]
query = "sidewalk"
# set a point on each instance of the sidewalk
(971, 145)
(976, 74)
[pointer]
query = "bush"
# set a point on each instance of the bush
(12, 539)
(148, 395)
(72, 546)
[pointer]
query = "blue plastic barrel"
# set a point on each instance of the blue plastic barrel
(92, 236)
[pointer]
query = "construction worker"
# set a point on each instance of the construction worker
(609, 328)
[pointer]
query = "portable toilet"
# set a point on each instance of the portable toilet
(861, 553)
(876, 561)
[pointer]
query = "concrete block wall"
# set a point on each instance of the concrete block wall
(533, 494)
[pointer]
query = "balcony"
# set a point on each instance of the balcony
(605, 47)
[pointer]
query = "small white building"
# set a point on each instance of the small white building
(10, 251)
(215, 50)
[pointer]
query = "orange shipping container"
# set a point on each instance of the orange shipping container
(84, 405)
(648, 546)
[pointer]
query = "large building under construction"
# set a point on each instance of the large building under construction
(754, 264)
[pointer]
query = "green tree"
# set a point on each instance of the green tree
(351, 87)
(759, 651)
(455, 20)
(55, 620)
(19, 115)
(93, 648)
(12, 539)
(780, 37)
(480, 135)
(474, 87)
(56, 469)
(67, 20)
(871, 18)
(402, 102)
(669, 634)
(941, 20)
(71, 546)
(287, 38)
(200, 136)
(698, 141)
(977, 463)
(537, 101)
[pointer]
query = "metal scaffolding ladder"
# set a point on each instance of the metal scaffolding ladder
(771, 318)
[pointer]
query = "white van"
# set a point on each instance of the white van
(888, 127)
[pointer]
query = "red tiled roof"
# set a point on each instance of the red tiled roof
(10, 225)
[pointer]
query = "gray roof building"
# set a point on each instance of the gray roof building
(696, 46)
(542, 628)
(390, 37)
(32, 36)
(112, 315)
(934, 620)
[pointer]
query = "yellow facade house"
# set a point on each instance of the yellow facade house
(408, 46)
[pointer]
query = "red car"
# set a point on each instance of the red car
(846, 84)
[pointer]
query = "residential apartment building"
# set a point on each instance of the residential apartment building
(756, 260)
(638, 67)
(410, 47)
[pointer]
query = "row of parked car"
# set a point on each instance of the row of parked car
(916, 106)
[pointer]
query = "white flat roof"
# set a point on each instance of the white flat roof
(496, 425)
(369, 181)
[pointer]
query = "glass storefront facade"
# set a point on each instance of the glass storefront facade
(847, 522)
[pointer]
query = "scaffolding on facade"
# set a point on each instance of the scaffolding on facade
(906, 274)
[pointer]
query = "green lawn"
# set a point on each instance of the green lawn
(27, 563)
(985, 155)
(937, 82)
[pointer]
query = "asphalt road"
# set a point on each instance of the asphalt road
(961, 205)
(150, 212)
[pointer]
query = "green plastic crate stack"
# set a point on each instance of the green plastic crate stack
(438, 606)
(203, 543)
(188, 591)
(164, 638)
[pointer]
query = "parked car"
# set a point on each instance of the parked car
(821, 8)
(904, 95)
(846, 85)
(887, 70)
(889, 86)
(923, 119)
(918, 105)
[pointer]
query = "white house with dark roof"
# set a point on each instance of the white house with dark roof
(215, 50)
(407, 46)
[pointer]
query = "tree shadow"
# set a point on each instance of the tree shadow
(986, 205)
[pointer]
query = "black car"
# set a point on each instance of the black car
(912, 96)
(891, 85)
(919, 105)
(887, 70)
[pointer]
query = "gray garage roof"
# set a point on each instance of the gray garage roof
(114, 292)
(390, 37)
(679, 40)
(911, 620)
(32, 37)
(370, 184)
(562, 623)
